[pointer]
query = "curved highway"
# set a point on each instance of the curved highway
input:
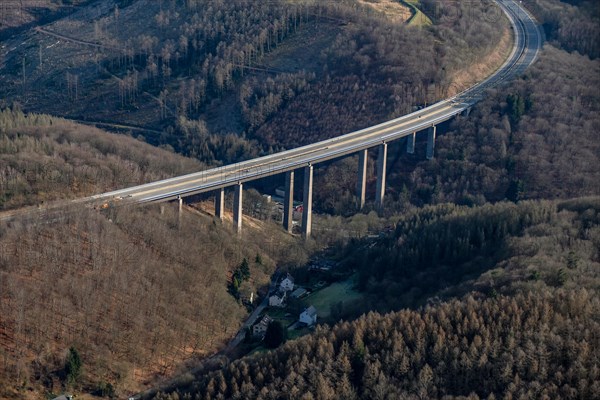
(527, 44)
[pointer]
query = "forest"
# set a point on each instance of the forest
(444, 251)
(388, 70)
(511, 311)
(141, 294)
(469, 349)
(104, 283)
(523, 141)
(44, 158)
(479, 278)
(473, 293)
(571, 24)
(212, 64)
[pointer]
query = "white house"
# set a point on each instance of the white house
(260, 328)
(287, 283)
(277, 299)
(309, 316)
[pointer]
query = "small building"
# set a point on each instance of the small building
(260, 328)
(309, 316)
(277, 299)
(299, 292)
(287, 283)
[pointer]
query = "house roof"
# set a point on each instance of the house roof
(288, 276)
(311, 311)
(265, 320)
(279, 294)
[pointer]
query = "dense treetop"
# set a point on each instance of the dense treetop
(528, 346)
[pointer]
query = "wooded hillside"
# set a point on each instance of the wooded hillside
(138, 294)
(337, 66)
(529, 346)
(571, 24)
(44, 158)
(376, 70)
(535, 138)
(532, 139)
(482, 300)
(512, 313)
(503, 299)
(445, 251)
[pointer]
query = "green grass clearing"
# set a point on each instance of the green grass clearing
(418, 18)
(333, 294)
(279, 314)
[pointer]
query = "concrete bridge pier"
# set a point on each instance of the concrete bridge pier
(410, 143)
(237, 208)
(381, 167)
(307, 202)
(288, 201)
(430, 142)
(220, 204)
(180, 211)
(362, 178)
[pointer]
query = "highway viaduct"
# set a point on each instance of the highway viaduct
(527, 43)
